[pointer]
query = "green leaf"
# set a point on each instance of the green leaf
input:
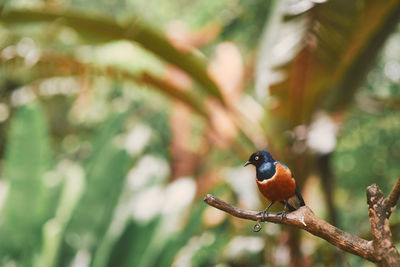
(176, 242)
(133, 243)
(106, 170)
(54, 229)
(103, 29)
(27, 159)
(145, 245)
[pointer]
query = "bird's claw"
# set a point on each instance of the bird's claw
(264, 214)
(283, 215)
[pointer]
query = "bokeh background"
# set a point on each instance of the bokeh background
(118, 116)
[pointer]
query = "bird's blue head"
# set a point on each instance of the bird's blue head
(259, 157)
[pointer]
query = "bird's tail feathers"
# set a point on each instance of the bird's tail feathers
(295, 201)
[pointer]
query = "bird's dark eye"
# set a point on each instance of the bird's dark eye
(256, 157)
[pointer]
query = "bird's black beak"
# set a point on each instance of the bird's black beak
(247, 163)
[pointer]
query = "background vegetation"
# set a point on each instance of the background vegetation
(117, 117)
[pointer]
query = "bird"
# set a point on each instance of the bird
(275, 182)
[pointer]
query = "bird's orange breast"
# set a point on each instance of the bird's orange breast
(280, 187)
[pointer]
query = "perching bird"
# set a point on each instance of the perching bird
(275, 181)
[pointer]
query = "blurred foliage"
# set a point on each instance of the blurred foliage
(29, 203)
(118, 116)
(332, 53)
(368, 147)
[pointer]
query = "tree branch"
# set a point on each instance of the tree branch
(391, 200)
(305, 219)
(379, 210)
(380, 250)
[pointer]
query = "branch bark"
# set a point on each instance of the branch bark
(380, 250)
(393, 198)
(379, 210)
(305, 219)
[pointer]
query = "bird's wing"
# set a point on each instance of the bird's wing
(297, 200)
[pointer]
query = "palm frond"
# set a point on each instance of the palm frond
(104, 29)
(335, 42)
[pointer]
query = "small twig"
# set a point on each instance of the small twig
(392, 199)
(305, 219)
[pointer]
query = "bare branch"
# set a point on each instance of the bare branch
(304, 218)
(381, 235)
(391, 200)
(380, 250)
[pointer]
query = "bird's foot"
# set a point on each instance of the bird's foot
(283, 214)
(257, 227)
(264, 214)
